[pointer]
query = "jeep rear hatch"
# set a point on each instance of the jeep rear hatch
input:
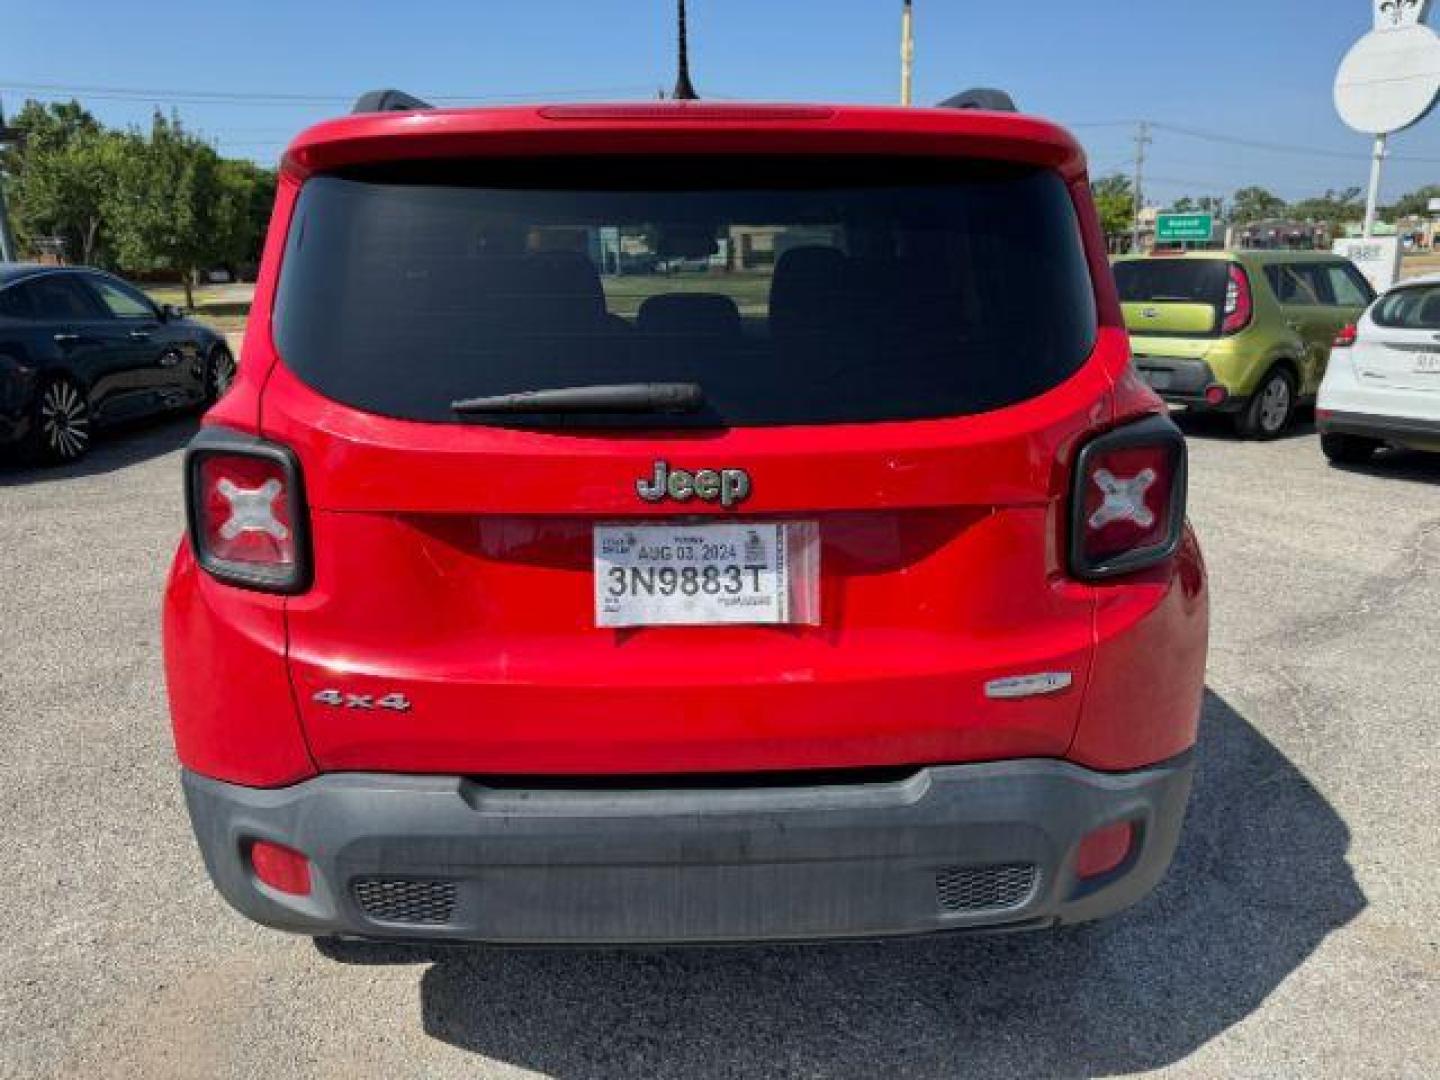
(893, 351)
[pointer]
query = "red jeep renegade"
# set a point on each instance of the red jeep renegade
(685, 522)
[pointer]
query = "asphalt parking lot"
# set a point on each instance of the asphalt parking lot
(1296, 934)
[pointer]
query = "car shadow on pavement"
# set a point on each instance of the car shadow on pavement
(1397, 464)
(1260, 879)
(117, 448)
(1208, 425)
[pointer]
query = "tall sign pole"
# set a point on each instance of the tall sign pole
(1389, 81)
(907, 54)
(1372, 199)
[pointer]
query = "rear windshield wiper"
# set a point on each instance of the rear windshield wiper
(619, 398)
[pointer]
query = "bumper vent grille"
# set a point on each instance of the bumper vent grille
(985, 888)
(422, 903)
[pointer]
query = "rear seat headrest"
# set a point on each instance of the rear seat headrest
(682, 314)
(566, 283)
(808, 284)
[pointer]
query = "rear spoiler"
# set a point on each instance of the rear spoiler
(977, 97)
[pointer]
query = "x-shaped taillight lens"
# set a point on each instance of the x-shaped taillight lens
(1129, 499)
(246, 515)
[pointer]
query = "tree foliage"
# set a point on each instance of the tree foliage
(1415, 204)
(1115, 202)
(60, 176)
(156, 201)
(1255, 204)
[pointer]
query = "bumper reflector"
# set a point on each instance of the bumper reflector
(1104, 849)
(1216, 395)
(283, 869)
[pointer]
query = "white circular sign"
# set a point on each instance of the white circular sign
(1389, 80)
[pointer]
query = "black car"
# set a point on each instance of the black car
(80, 349)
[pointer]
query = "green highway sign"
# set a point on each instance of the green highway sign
(1173, 228)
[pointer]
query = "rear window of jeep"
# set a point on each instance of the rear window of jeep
(792, 291)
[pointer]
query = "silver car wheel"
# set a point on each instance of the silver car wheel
(64, 421)
(1274, 405)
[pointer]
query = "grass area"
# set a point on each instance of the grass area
(625, 294)
(1415, 265)
(223, 307)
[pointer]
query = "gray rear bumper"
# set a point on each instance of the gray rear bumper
(1395, 428)
(955, 847)
(1183, 382)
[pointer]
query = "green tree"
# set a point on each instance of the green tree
(242, 211)
(163, 205)
(1255, 204)
(1334, 209)
(1184, 205)
(60, 177)
(1415, 204)
(1115, 202)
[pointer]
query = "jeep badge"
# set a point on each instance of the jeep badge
(729, 487)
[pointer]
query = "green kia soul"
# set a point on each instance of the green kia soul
(1246, 333)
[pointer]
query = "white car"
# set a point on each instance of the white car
(1383, 383)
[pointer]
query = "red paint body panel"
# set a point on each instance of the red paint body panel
(230, 698)
(678, 128)
(1143, 702)
(453, 563)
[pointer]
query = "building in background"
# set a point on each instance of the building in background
(1281, 234)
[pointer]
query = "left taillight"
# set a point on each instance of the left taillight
(245, 507)
(1128, 501)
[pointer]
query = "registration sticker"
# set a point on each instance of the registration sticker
(693, 574)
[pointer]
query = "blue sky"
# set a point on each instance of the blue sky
(1255, 70)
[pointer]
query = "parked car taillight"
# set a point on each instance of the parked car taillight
(1347, 336)
(1128, 504)
(1239, 304)
(246, 511)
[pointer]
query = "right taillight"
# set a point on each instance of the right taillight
(245, 507)
(1347, 336)
(1239, 303)
(1128, 502)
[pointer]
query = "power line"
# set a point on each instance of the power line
(1249, 144)
(1278, 148)
(236, 97)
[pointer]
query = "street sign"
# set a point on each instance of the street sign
(1377, 257)
(1391, 77)
(1389, 80)
(1176, 228)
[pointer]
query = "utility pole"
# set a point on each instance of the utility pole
(684, 90)
(1142, 140)
(8, 137)
(907, 54)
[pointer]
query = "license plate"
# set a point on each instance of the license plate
(1427, 363)
(702, 575)
(1158, 380)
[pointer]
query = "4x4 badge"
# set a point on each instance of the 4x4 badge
(728, 487)
(337, 699)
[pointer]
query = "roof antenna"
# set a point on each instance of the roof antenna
(684, 89)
